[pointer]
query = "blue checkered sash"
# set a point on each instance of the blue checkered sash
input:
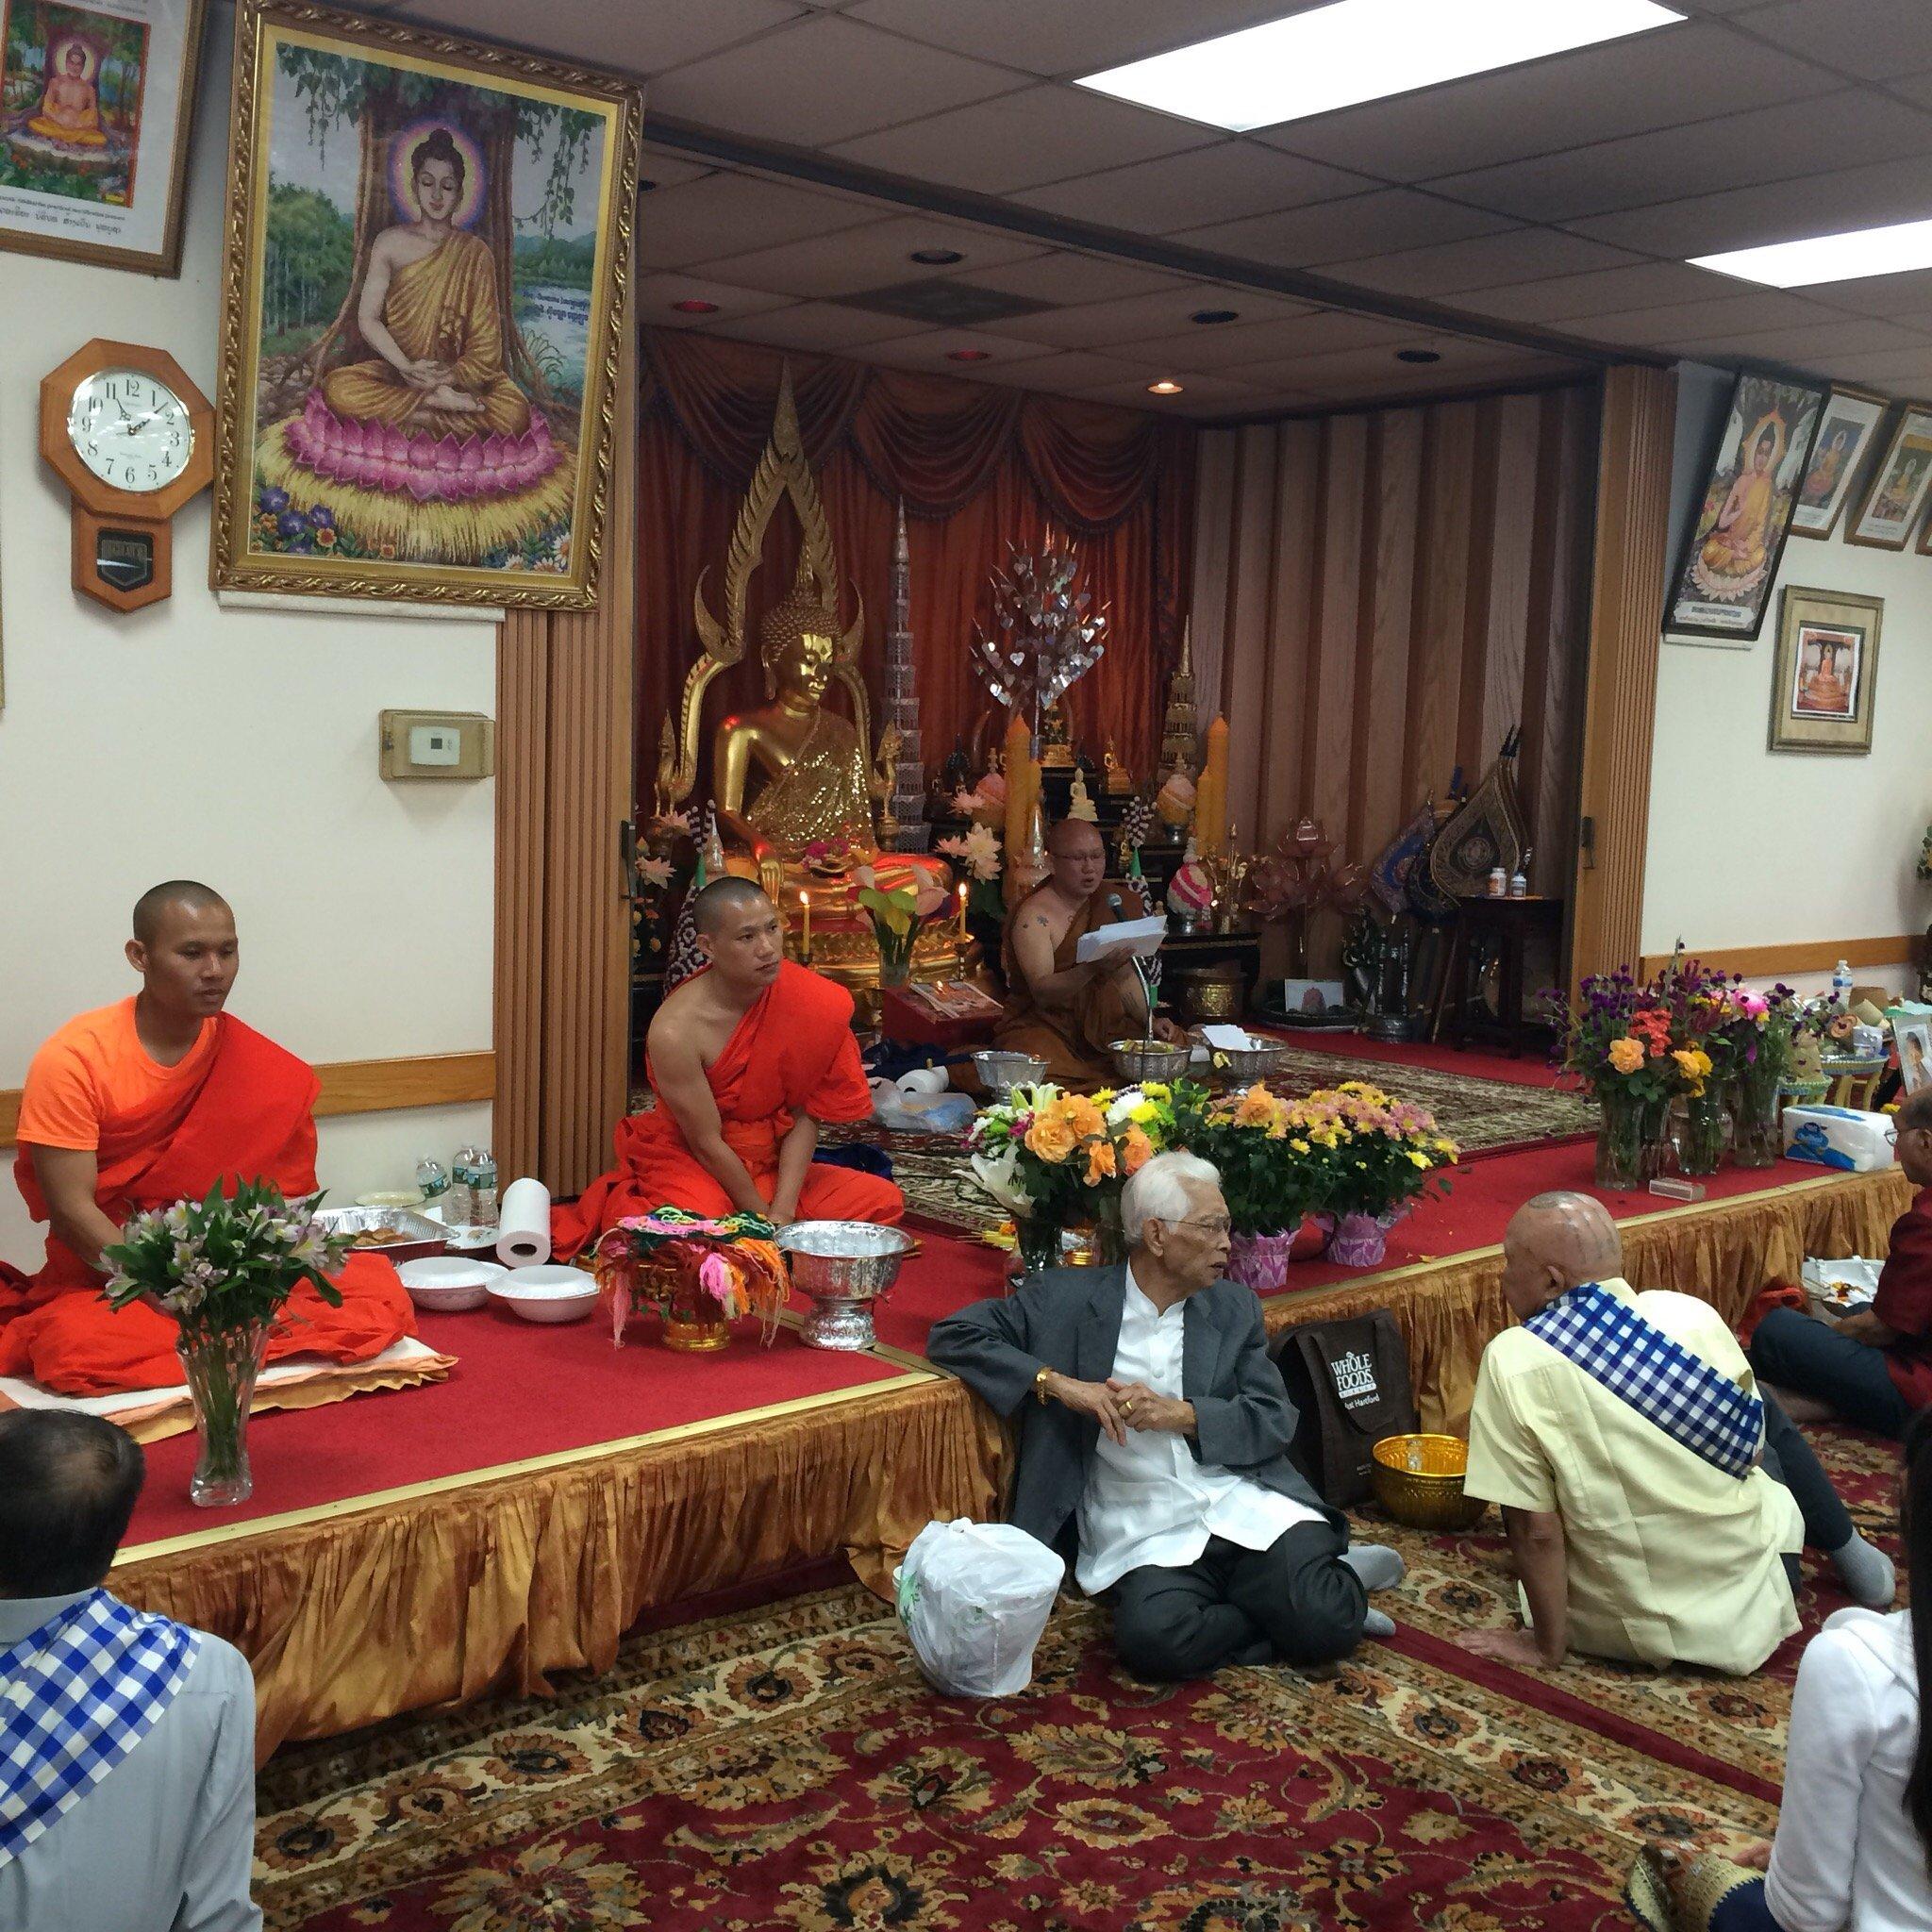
(76, 1696)
(1662, 1380)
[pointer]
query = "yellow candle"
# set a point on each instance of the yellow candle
(962, 912)
(1211, 795)
(1020, 769)
(805, 934)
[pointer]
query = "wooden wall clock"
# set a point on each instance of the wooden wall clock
(133, 440)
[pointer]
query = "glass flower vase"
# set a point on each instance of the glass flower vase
(221, 1365)
(1632, 1141)
(1757, 1132)
(1038, 1239)
(1110, 1236)
(1707, 1122)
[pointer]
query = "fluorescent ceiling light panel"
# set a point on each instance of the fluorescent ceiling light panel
(1846, 257)
(1364, 50)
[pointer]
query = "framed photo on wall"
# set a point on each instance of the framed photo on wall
(1847, 432)
(97, 107)
(1723, 582)
(1896, 492)
(428, 246)
(1825, 676)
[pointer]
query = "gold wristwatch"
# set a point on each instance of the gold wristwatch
(1039, 1383)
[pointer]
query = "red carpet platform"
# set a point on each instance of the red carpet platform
(424, 1547)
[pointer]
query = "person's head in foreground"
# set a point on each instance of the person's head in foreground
(1077, 855)
(740, 934)
(1555, 1243)
(185, 949)
(68, 1484)
(1176, 1221)
(1912, 1123)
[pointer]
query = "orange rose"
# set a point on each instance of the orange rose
(1137, 1151)
(1257, 1107)
(1100, 1165)
(1627, 1055)
(1083, 1117)
(1050, 1137)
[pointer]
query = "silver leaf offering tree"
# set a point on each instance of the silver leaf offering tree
(1043, 633)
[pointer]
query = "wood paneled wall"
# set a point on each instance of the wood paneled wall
(1378, 597)
(563, 784)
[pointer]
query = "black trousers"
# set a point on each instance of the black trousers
(1792, 1461)
(1295, 1601)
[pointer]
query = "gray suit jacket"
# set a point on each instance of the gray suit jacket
(1069, 1319)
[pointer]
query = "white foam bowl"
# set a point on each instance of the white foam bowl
(447, 1284)
(549, 1293)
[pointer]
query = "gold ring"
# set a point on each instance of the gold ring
(1126, 1409)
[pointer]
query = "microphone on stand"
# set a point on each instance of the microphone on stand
(1115, 905)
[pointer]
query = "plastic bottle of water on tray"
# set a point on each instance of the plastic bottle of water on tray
(483, 1190)
(432, 1177)
(459, 1204)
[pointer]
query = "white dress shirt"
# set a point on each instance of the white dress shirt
(1148, 1500)
(165, 1843)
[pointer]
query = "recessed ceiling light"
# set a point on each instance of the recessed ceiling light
(1167, 386)
(1418, 355)
(1363, 50)
(692, 306)
(969, 355)
(1205, 316)
(1845, 258)
(936, 257)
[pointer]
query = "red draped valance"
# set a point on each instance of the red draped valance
(978, 467)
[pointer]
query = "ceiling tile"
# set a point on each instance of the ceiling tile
(1904, 296)
(868, 257)
(1019, 140)
(1773, 211)
(608, 33)
(1525, 254)
(1075, 369)
(1198, 392)
(1221, 182)
(1353, 367)
(1335, 230)
(930, 348)
(1657, 79)
(813, 325)
(726, 214)
(1066, 275)
(1605, 292)
(1869, 38)
(1836, 130)
(1723, 315)
(1900, 372)
(826, 79)
(663, 169)
(1095, 324)
(1066, 36)
(1915, 87)
(1818, 345)
(656, 294)
(1241, 344)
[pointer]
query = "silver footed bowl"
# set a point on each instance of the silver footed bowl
(843, 1267)
(1242, 1066)
(1000, 1070)
(1148, 1059)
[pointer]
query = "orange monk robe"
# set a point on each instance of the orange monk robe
(793, 1054)
(241, 1109)
(1072, 1040)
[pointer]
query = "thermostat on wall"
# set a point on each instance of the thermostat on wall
(438, 744)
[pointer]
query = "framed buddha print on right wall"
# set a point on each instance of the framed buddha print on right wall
(1896, 493)
(1825, 677)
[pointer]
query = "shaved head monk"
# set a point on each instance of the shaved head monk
(1066, 1012)
(147, 1101)
(747, 1058)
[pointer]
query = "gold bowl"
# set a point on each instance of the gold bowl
(1430, 1497)
(1135, 1060)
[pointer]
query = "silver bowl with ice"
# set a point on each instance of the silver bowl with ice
(841, 1268)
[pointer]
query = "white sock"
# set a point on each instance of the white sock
(1379, 1567)
(1866, 1572)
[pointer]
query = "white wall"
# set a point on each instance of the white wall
(237, 748)
(1752, 849)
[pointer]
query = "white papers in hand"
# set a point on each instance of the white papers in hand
(1146, 935)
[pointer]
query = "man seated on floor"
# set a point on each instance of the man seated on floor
(1156, 1430)
(147, 1101)
(1653, 1501)
(127, 1740)
(1057, 1008)
(1873, 1366)
(748, 1057)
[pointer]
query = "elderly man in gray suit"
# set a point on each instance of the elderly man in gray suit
(1156, 1430)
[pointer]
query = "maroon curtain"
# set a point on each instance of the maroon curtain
(978, 468)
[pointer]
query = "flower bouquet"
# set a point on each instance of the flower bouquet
(1370, 1158)
(222, 1269)
(700, 1274)
(897, 913)
(1269, 1190)
(977, 853)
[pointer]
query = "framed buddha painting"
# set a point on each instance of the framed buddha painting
(428, 246)
(96, 106)
(1824, 679)
(1723, 580)
(1847, 431)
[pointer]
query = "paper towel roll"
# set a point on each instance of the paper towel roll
(924, 1080)
(522, 1225)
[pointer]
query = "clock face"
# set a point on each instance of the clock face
(130, 429)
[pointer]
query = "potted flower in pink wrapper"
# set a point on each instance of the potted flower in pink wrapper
(1373, 1157)
(1270, 1189)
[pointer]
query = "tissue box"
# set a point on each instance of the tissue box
(1310, 995)
(1841, 1137)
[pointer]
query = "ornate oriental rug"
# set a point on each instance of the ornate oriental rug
(787, 1768)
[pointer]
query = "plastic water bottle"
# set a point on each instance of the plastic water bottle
(483, 1190)
(1842, 985)
(460, 1203)
(432, 1177)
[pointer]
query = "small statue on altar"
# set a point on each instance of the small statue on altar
(1118, 781)
(1055, 752)
(1082, 806)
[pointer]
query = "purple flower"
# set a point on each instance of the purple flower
(274, 501)
(291, 524)
(323, 517)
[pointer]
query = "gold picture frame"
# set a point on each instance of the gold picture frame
(419, 377)
(1847, 430)
(1894, 495)
(1824, 672)
(100, 174)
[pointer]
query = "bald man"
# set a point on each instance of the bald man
(747, 1058)
(1654, 1502)
(1062, 1009)
(146, 1102)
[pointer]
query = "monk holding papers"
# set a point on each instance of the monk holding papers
(1062, 1008)
(146, 1103)
(747, 1058)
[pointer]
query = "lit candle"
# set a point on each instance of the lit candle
(805, 934)
(962, 912)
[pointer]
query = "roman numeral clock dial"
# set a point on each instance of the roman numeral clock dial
(133, 440)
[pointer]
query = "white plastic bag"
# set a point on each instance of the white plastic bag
(973, 1598)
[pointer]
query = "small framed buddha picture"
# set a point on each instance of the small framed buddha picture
(428, 244)
(1825, 674)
